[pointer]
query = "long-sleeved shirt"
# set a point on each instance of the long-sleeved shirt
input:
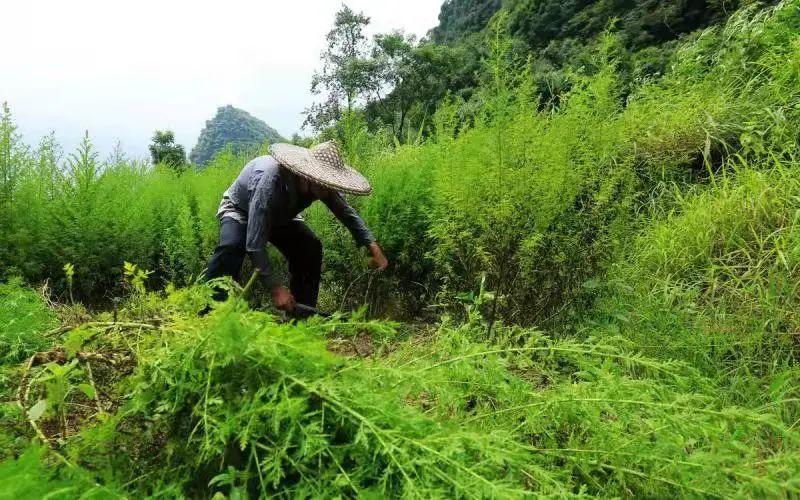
(265, 196)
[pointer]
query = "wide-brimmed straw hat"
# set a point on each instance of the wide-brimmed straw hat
(321, 164)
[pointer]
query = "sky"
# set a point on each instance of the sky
(122, 69)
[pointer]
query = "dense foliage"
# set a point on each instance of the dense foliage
(558, 36)
(458, 18)
(600, 298)
(23, 317)
(240, 404)
(164, 150)
(231, 127)
(345, 71)
(542, 23)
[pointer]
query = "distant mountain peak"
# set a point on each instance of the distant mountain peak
(234, 126)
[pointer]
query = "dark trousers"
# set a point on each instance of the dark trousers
(296, 241)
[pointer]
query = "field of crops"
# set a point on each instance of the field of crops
(591, 298)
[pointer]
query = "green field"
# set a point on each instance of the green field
(591, 296)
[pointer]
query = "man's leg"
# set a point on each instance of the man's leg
(229, 255)
(303, 250)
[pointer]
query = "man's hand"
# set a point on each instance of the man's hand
(283, 298)
(378, 260)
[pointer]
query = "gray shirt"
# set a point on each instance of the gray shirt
(265, 196)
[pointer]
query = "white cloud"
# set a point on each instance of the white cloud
(122, 70)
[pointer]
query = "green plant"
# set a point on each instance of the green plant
(58, 381)
(236, 403)
(473, 302)
(69, 272)
(32, 476)
(135, 277)
(24, 318)
(164, 150)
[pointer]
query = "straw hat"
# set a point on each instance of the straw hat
(321, 164)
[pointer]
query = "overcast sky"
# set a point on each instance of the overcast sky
(123, 69)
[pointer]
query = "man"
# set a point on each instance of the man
(262, 205)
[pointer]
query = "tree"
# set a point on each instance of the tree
(8, 152)
(299, 140)
(346, 73)
(164, 150)
(13, 156)
(392, 55)
(415, 78)
(397, 81)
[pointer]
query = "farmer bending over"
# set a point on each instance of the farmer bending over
(262, 206)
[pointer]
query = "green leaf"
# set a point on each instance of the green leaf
(622, 317)
(37, 410)
(75, 340)
(88, 390)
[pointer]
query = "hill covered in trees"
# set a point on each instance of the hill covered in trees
(234, 127)
(558, 38)
(458, 18)
(545, 23)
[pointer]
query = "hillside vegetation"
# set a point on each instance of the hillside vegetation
(558, 38)
(234, 128)
(550, 22)
(590, 296)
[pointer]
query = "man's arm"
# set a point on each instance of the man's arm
(355, 224)
(259, 224)
(349, 218)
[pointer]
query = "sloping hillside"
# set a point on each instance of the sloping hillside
(234, 127)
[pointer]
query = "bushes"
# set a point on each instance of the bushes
(540, 199)
(240, 404)
(710, 276)
(97, 215)
(436, 418)
(30, 477)
(24, 319)
(543, 201)
(715, 280)
(595, 417)
(271, 399)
